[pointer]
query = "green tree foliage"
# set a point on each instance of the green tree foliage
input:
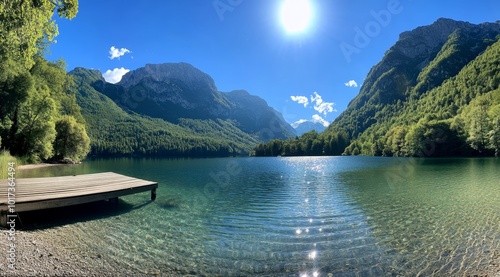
(309, 144)
(27, 26)
(6, 158)
(434, 138)
(34, 93)
(71, 140)
(35, 130)
(13, 93)
(395, 144)
(31, 123)
(479, 122)
(66, 8)
(494, 134)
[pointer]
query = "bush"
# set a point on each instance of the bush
(5, 159)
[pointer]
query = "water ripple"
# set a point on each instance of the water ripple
(309, 217)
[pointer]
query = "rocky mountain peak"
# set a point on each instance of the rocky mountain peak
(441, 29)
(168, 72)
(426, 40)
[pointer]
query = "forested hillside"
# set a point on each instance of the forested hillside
(175, 91)
(39, 117)
(435, 93)
(115, 132)
(172, 109)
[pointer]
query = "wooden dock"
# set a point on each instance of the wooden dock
(52, 192)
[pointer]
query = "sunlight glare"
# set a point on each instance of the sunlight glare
(296, 15)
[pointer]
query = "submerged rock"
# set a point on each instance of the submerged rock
(168, 203)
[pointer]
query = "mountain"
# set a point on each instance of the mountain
(426, 80)
(254, 116)
(420, 60)
(169, 91)
(175, 91)
(307, 126)
(434, 93)
(171, 110)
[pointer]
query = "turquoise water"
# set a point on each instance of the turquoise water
(317, 216)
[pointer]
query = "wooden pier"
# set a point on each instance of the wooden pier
(52, 192)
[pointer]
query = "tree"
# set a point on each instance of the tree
(32, 129)
(494, 134)
(395, 142)
(434, 138)
(32, 91)
(378, 147)
(477, 124)
(416, 143)
(14, 91)
(66, 8)
(26, 27)
(36, 131)
(71, 140)
(317, 147)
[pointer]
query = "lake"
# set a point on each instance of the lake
(304, 216)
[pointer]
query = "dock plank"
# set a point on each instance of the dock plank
(50, 192)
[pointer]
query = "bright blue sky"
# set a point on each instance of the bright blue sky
(247, 47)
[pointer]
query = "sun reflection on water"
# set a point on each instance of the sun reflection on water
(277, 222)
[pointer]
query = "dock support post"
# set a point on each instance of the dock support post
(114, 200)
(153, 194)
(3, 219)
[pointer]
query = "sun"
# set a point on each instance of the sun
(296, 15)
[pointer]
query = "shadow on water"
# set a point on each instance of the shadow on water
(167, 203)
(56, 217)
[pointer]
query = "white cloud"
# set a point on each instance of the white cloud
(300, 100)
(298, 122)
(322, 106)
(114, 76)
(318, 119)
(117, 53)
(351, 84)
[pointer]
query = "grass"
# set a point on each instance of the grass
(5, 159)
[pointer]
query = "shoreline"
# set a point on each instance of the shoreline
(35, 166)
